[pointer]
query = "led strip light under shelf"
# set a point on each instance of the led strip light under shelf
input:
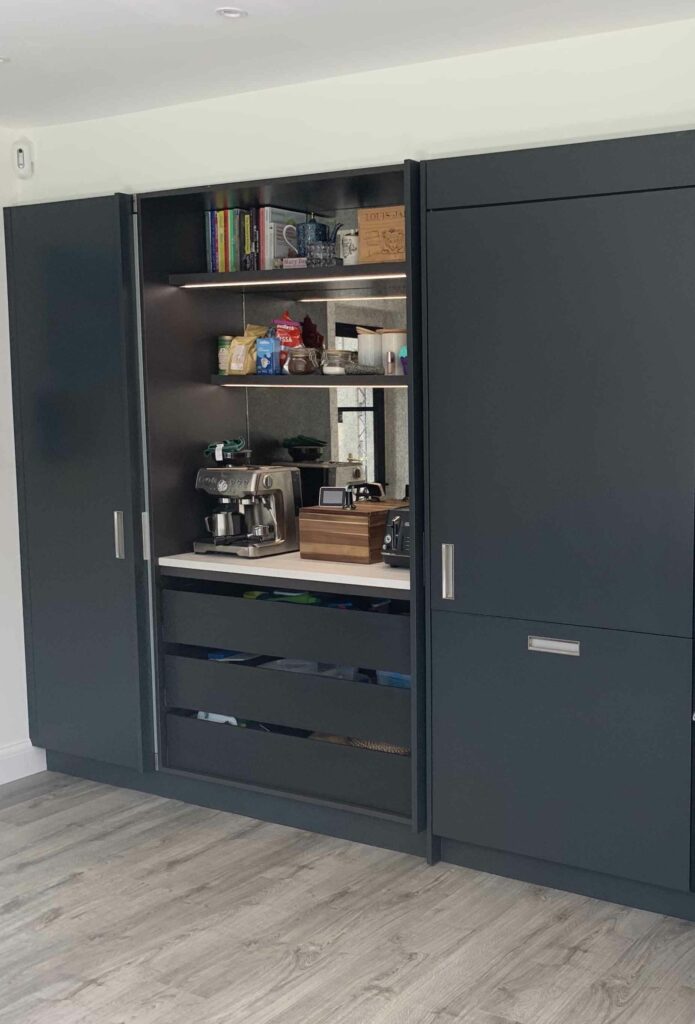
(280, 281)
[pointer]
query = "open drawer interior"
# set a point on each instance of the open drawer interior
(289, 691)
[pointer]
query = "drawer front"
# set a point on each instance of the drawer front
(564, 744)
(299, 700)
(327, 771)
(368, 639)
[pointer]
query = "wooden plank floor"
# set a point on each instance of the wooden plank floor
(122, 908)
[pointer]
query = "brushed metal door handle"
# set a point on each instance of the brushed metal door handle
(118, 535)
(549, 645)
(145, 523)
(448, 588)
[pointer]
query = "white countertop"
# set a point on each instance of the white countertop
(292, 567)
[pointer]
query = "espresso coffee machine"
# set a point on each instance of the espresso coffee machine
(256, 511)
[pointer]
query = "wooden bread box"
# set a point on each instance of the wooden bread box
(345, 534)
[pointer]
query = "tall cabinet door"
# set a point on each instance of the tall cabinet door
(75, 397)
(562, 423)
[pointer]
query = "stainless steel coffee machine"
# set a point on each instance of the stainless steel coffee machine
(256, 511)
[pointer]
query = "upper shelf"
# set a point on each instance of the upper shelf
(311, 380)
(387, 279)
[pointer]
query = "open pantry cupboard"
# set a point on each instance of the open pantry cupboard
(325, 733)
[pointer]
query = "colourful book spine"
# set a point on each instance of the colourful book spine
(208, 249)
(244, 241)
(248, 243)
(228, 238)
(234, 229)
(218, 241)
(212, 214)
(221, 242)
(261, 237)
(256, 241)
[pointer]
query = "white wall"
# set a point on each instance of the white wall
(17, 756)
(619, 83)
(642, 80)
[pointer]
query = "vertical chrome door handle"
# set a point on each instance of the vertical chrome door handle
(118, 535)
(145, 521)
(448, 591)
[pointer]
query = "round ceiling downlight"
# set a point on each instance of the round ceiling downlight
(232, 12)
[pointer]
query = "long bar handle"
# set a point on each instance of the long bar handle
(549, 645)
(118, 535)
(145, 523)
(448, 589)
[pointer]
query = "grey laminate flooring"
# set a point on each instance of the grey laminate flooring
(118, 907)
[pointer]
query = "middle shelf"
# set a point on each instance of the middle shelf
(318, 380)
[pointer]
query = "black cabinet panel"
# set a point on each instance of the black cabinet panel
(75, 397)
(562, 422)
(555, 172)
(580, 760)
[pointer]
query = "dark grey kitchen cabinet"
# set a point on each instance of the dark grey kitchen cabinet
(581, 760)
(562, 423)
(74, 363)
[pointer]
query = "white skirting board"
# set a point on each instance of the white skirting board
(17, 760)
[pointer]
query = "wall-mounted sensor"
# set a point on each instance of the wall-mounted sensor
(23, 158)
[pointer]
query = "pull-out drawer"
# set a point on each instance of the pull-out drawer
(299, 700)
(310, 767)
(369, 639)
(564, 744)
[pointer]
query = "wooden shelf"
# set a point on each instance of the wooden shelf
(311, 380)
(363, 279)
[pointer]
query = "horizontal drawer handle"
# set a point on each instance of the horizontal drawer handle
(547, 645)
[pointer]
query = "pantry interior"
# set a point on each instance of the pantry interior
(316, 662)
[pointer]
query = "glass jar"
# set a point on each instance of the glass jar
(302, 360)
(339, 361)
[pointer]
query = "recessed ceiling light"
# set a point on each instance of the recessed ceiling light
(4, 60)
(232, 12)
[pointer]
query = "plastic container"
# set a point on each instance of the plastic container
(369, 348)
(397, 679)
(392, 341)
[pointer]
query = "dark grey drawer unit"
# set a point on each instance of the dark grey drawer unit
(335, 720)
(584, 760)
(377, 640)
(296, 699)
(307, 767)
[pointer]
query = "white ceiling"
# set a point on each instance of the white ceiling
(78, 59)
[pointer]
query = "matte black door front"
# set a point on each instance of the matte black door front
(562, 421)
(584, 760)
(75, 396)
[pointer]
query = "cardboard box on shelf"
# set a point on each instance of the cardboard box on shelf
(381, 234)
